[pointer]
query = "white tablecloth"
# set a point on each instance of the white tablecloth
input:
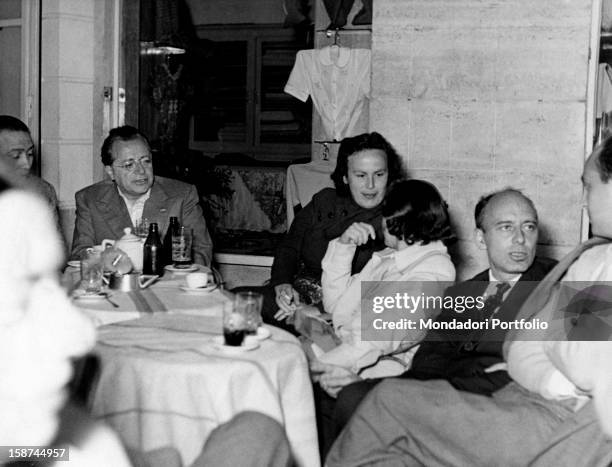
(163, 383)
(165, 295)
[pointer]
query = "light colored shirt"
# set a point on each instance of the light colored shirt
(339, 88)
(561, 369)
(492, 278)
(135, 208)
(342, 296)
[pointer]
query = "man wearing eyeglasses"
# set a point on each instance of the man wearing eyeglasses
(134, 194)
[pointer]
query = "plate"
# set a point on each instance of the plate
(74, 264)
(199, 290)
(82, 295)
(218, 343)
(262, 333)
(191, 268)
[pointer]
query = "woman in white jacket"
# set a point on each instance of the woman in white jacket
(415, 226)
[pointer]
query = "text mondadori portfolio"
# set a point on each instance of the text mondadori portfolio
(456, 324)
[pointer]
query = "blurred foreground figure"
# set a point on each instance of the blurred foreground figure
(40, 331)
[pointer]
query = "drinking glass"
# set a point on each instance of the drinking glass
(234, 326)
(249, 305)
(91, 271)
(181, 248)
(142, 228)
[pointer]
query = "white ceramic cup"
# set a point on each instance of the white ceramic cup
(197, 279)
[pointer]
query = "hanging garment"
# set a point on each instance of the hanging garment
(338, 11)
(298, 12)
(604, 90)
(339, 88)
(364, 16)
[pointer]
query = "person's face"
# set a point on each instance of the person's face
(598, 197)
(367, 177)
(39, 328)
(509, 234)
(136, 181)
(17, 151)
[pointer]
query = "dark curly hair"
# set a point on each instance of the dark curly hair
(121, 133)
(415, 212)
(354, 144)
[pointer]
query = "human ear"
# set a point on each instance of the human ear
(110, 172)
(479, 238)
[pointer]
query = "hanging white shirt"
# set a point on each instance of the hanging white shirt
(338, 81)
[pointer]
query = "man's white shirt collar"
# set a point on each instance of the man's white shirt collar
(492, 278)
(135, 208)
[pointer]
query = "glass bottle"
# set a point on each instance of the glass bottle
(153, 258)
(173, 229)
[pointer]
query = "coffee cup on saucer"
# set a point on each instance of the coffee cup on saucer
(197, 280)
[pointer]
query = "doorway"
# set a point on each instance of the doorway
(20, 59)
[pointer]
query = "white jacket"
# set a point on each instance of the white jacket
(419, 264)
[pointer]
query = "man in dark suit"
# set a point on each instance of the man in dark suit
(133, 194)
(507, 229)
(16, 158)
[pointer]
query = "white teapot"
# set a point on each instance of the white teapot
(131, 244)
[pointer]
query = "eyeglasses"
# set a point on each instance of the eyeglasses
(131, 164)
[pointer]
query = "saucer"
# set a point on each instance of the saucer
(74, 264)
(199, 290)
(218, 343)
(262, 333)
(82, 295)
(171, 268)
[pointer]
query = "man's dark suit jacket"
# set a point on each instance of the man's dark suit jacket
(461, 357)
(101, 213)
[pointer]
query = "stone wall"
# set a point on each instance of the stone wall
(76, 65)
(478, 95)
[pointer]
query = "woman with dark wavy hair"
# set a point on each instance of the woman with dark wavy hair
(415, 227)
(365, 165)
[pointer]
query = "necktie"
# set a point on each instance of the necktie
(493, 302)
